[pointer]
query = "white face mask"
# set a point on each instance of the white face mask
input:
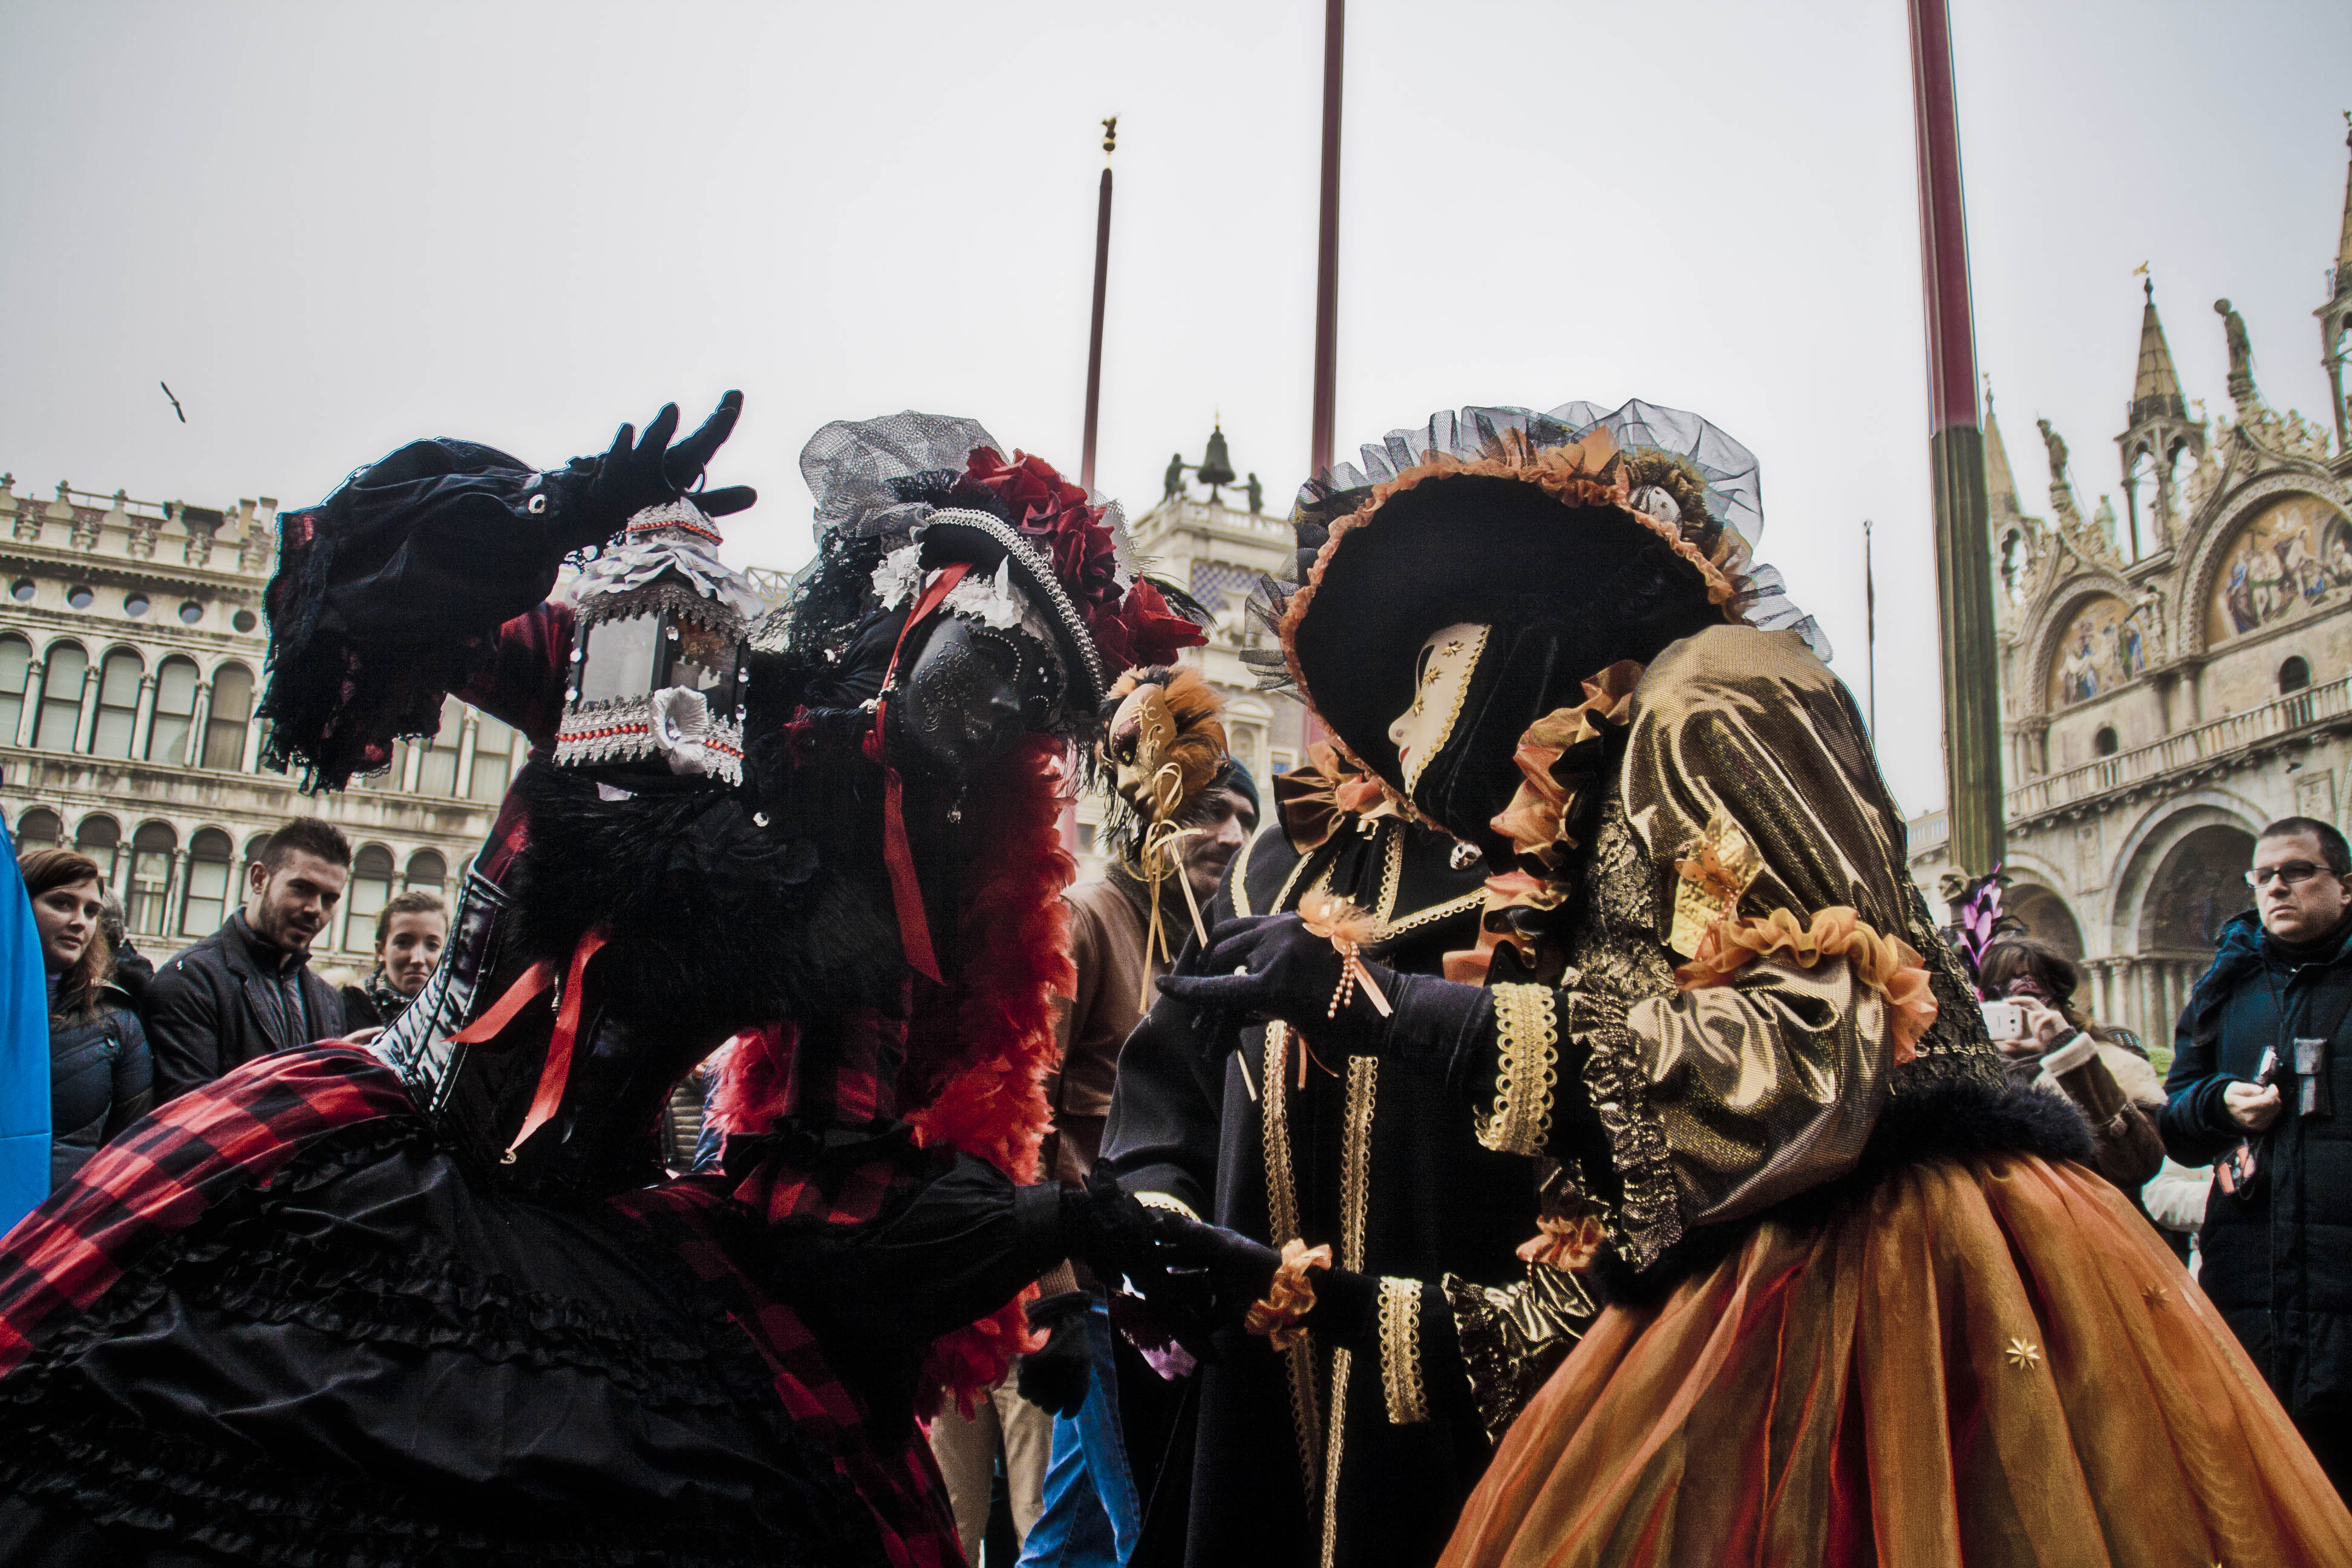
(1441, 679)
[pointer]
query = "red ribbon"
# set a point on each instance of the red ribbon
(556, 1071)
(897, 855)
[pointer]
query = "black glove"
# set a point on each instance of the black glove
(1055, 1376)
(1241, 1271)
(1274, 967)
(1104, 1228)
(635, 473)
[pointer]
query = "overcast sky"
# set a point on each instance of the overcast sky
(335, 227)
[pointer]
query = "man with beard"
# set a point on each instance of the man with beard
(247, 990)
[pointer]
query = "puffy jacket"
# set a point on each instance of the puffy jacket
(102, 1079)
(2278, 1255)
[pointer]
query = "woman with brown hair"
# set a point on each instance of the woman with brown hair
(2057, 1045)
(101, 1078)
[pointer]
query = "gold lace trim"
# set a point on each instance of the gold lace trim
(1172, 1205)
(1282, 895)
(1282, 1223)
(1408, 1401)
(1476, 899)
(1529, 1076)
(1239, 880)
(1392, 869)
(1355, 1193)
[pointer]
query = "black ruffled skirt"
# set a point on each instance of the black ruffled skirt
(373, 1359)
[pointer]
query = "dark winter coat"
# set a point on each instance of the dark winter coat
(102, 1079)
(2278, 1255)
(221, 1003)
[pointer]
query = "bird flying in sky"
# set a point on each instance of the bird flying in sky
(175, 401)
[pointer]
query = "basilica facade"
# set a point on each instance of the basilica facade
(2175, 673)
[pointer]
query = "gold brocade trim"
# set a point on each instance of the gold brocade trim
(1408, 1401)
(1529, 1075)
(1239, 880)
(1172, 1205)
(1355, 1158)
(1355, 1195)
(1475, 899)
(1282, 1222)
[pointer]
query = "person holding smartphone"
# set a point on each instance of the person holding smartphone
(2261, 1057)
(2049, 1041)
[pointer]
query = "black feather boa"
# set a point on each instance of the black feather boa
(1956, 1117)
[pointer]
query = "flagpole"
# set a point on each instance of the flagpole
(1955, 459)
(1326, 242)
(1102, 288)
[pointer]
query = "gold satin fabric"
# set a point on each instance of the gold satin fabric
(1991, 1362)
(1724, 1100)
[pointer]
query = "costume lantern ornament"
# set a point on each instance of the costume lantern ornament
(656, 668)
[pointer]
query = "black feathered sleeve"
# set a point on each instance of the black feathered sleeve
(390, 593)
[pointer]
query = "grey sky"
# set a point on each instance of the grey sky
(333, 227)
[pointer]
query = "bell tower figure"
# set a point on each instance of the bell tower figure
(2159, 431)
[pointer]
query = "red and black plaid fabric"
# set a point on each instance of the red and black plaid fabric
(900, 1482)
(163, 1173)
(846, 1080)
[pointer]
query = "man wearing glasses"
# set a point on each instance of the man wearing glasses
(2263, 1053)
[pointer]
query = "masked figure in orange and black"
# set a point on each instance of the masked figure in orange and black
(1866, 1304)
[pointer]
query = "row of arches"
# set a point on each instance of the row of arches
(182, 892)
(180, 715)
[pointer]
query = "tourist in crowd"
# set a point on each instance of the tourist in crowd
(101, 1078)
(247, 990)
(409, 932)
(2105, 1071)
(2259, 1062)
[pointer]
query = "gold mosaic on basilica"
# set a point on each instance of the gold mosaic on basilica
(2293, 557)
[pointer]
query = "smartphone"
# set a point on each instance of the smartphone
(2003, 1020)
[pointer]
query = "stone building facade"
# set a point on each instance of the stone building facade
(1218, 550)
(2174, 675)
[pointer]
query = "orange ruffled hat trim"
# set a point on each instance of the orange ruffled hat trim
(1889, 965)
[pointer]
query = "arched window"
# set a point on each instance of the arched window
(2106, 742)
(38, 826)
(175, 706)
(98, 837)
(370, 891)
(62, 685)
(493, 759)
(439, 775)
(207, 904)
(118, 703)
(150, 877)
(232, 707)
(427, 872)
(16, 670)
(2294, 674)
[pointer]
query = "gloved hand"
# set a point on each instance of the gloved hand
(1274, 967)
(1238, 1270)
(635, 473)
(1055, 1376)
(1104, 1228)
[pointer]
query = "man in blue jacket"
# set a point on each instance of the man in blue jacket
(2262, 1059)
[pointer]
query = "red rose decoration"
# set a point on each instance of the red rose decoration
(1056, 519)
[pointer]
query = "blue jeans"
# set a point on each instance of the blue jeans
(1091, 1515)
